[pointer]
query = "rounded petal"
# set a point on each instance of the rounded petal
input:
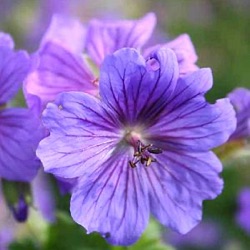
(104, 38)
(14, 67)
(112, 201)
(82, 133)
(20, 134)
(58, 71)
(240, 98)
(136, 89)
(194, 126)
(6, 40)
(66, 32)
(184, 50)
(43, 199)
(178, 183)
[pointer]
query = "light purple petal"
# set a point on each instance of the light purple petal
(206, 235)
(184, 50)
(136, 89)
(14, 67)
(178, 184)
(243, 213)
(58, 71)
(189, 122)
(112, 201)
(82, 133)
(20, 134)
(104, 38)
(240, 98)
(66, 32)
(6, 40)
(43, 198)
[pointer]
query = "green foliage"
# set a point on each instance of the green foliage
(66, 235)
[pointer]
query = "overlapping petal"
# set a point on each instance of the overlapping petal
(82, 134)
(67, 32)
(113, 200)
(58, 71)
(178, 183)
(19, 137)
(184, 50)
(104, 38)
(136, 89)
(14, 66)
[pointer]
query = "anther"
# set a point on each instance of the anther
(142, 154)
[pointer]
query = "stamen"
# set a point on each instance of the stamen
(142, 154)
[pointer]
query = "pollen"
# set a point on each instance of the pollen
(143, 155)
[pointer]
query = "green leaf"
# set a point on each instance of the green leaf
(65, 234)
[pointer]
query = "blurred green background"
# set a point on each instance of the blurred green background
(220, 32)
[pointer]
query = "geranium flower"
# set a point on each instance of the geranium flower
(243, 213)
(240, 98)
(61, 66)
(144, 146)
(19, 133)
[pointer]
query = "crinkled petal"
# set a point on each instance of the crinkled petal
(104, 38)
(135, 89)
(178, 183)
(58, 71)
(240, 98)
(67, 32)
(14, 67)
(112, 201)
(184, 50)
(43, 199)
(6, 40)
(82, 133)
(189, 122)
(20, 134)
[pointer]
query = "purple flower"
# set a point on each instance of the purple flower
(243, 213)
(206, 235)
(63, 68)
(42, 194)
(143, 147)
(240, 98)
(20, 210)
(18, 127)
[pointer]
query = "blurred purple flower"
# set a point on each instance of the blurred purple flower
(18, 127)
(62, 67)
(143, 147)
(240, 98)
(206, 235)
(243, 213)
(20, 210)
(43, 199)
